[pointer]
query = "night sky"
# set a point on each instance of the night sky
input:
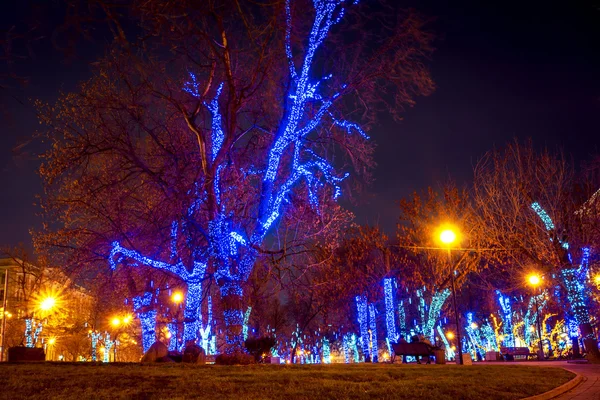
(502, 71)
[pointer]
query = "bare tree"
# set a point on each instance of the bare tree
(534, 210)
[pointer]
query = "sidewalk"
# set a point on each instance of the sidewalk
(589, 389)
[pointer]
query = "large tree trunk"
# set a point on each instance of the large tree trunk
(192, 315)
(363, 322)
(231, 295)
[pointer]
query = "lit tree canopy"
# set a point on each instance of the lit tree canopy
(188, 145)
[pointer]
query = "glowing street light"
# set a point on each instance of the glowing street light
(116, 322)
(177, 297)
(450, 335)
(597, 279)
(48, 303)
(51, 341)
(535, 280)
(447, 236)
(127, 319)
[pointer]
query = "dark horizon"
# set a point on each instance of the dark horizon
(502, 71)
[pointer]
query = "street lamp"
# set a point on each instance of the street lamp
(47, 304)
(535, 280)
(177, 297)
(448, 237)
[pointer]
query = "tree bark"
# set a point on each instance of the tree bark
(231, 295)
(192, 313)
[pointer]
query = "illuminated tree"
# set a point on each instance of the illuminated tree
(533, 212)
(426, 265)
(185, 164)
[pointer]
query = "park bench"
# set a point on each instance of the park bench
(413, 349)
(516, 352)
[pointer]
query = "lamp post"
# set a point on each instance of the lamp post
(535, 280)
(448, 237)
(119, 324)
(177, 298)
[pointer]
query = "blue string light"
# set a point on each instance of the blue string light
(95, 337)
(390, 320)
(373, 332)
(449, 352)
(509, 337)
(232, 251)
(326, 352)
(437, 302)
(246, 319)
(402, 319)
(363, 323)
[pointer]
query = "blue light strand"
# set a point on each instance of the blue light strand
(302, 92)
(507, 326)
(390, 320)
(437, 302)
(576, 295)
(28, 332)
(402, 319)
(147, 316)
(246, 319)
(218, 136)
(449, 352)
(95, 337)
(490, 336)
(108, 345)
(543, 216)
(373, 332)
(172, 327)
(326, 352)
(363, 322)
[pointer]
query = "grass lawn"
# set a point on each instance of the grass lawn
(338, 381)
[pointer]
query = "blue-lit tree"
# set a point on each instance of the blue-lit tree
(185, 164)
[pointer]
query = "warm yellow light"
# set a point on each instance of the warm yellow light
(177, 297)
(115, 322)
(500, 337)
(534, 279)
(168, 335)
(474, 325)
(597, 279)
(450, 335)
(51, 341)
(447, 236)
(47, 303)
(127, 319)
(453, 348)
(531, 328)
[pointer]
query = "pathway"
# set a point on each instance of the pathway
(589, 389)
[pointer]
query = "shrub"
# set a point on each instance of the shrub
(259, 346)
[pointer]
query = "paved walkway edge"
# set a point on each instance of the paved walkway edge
(557, 391)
